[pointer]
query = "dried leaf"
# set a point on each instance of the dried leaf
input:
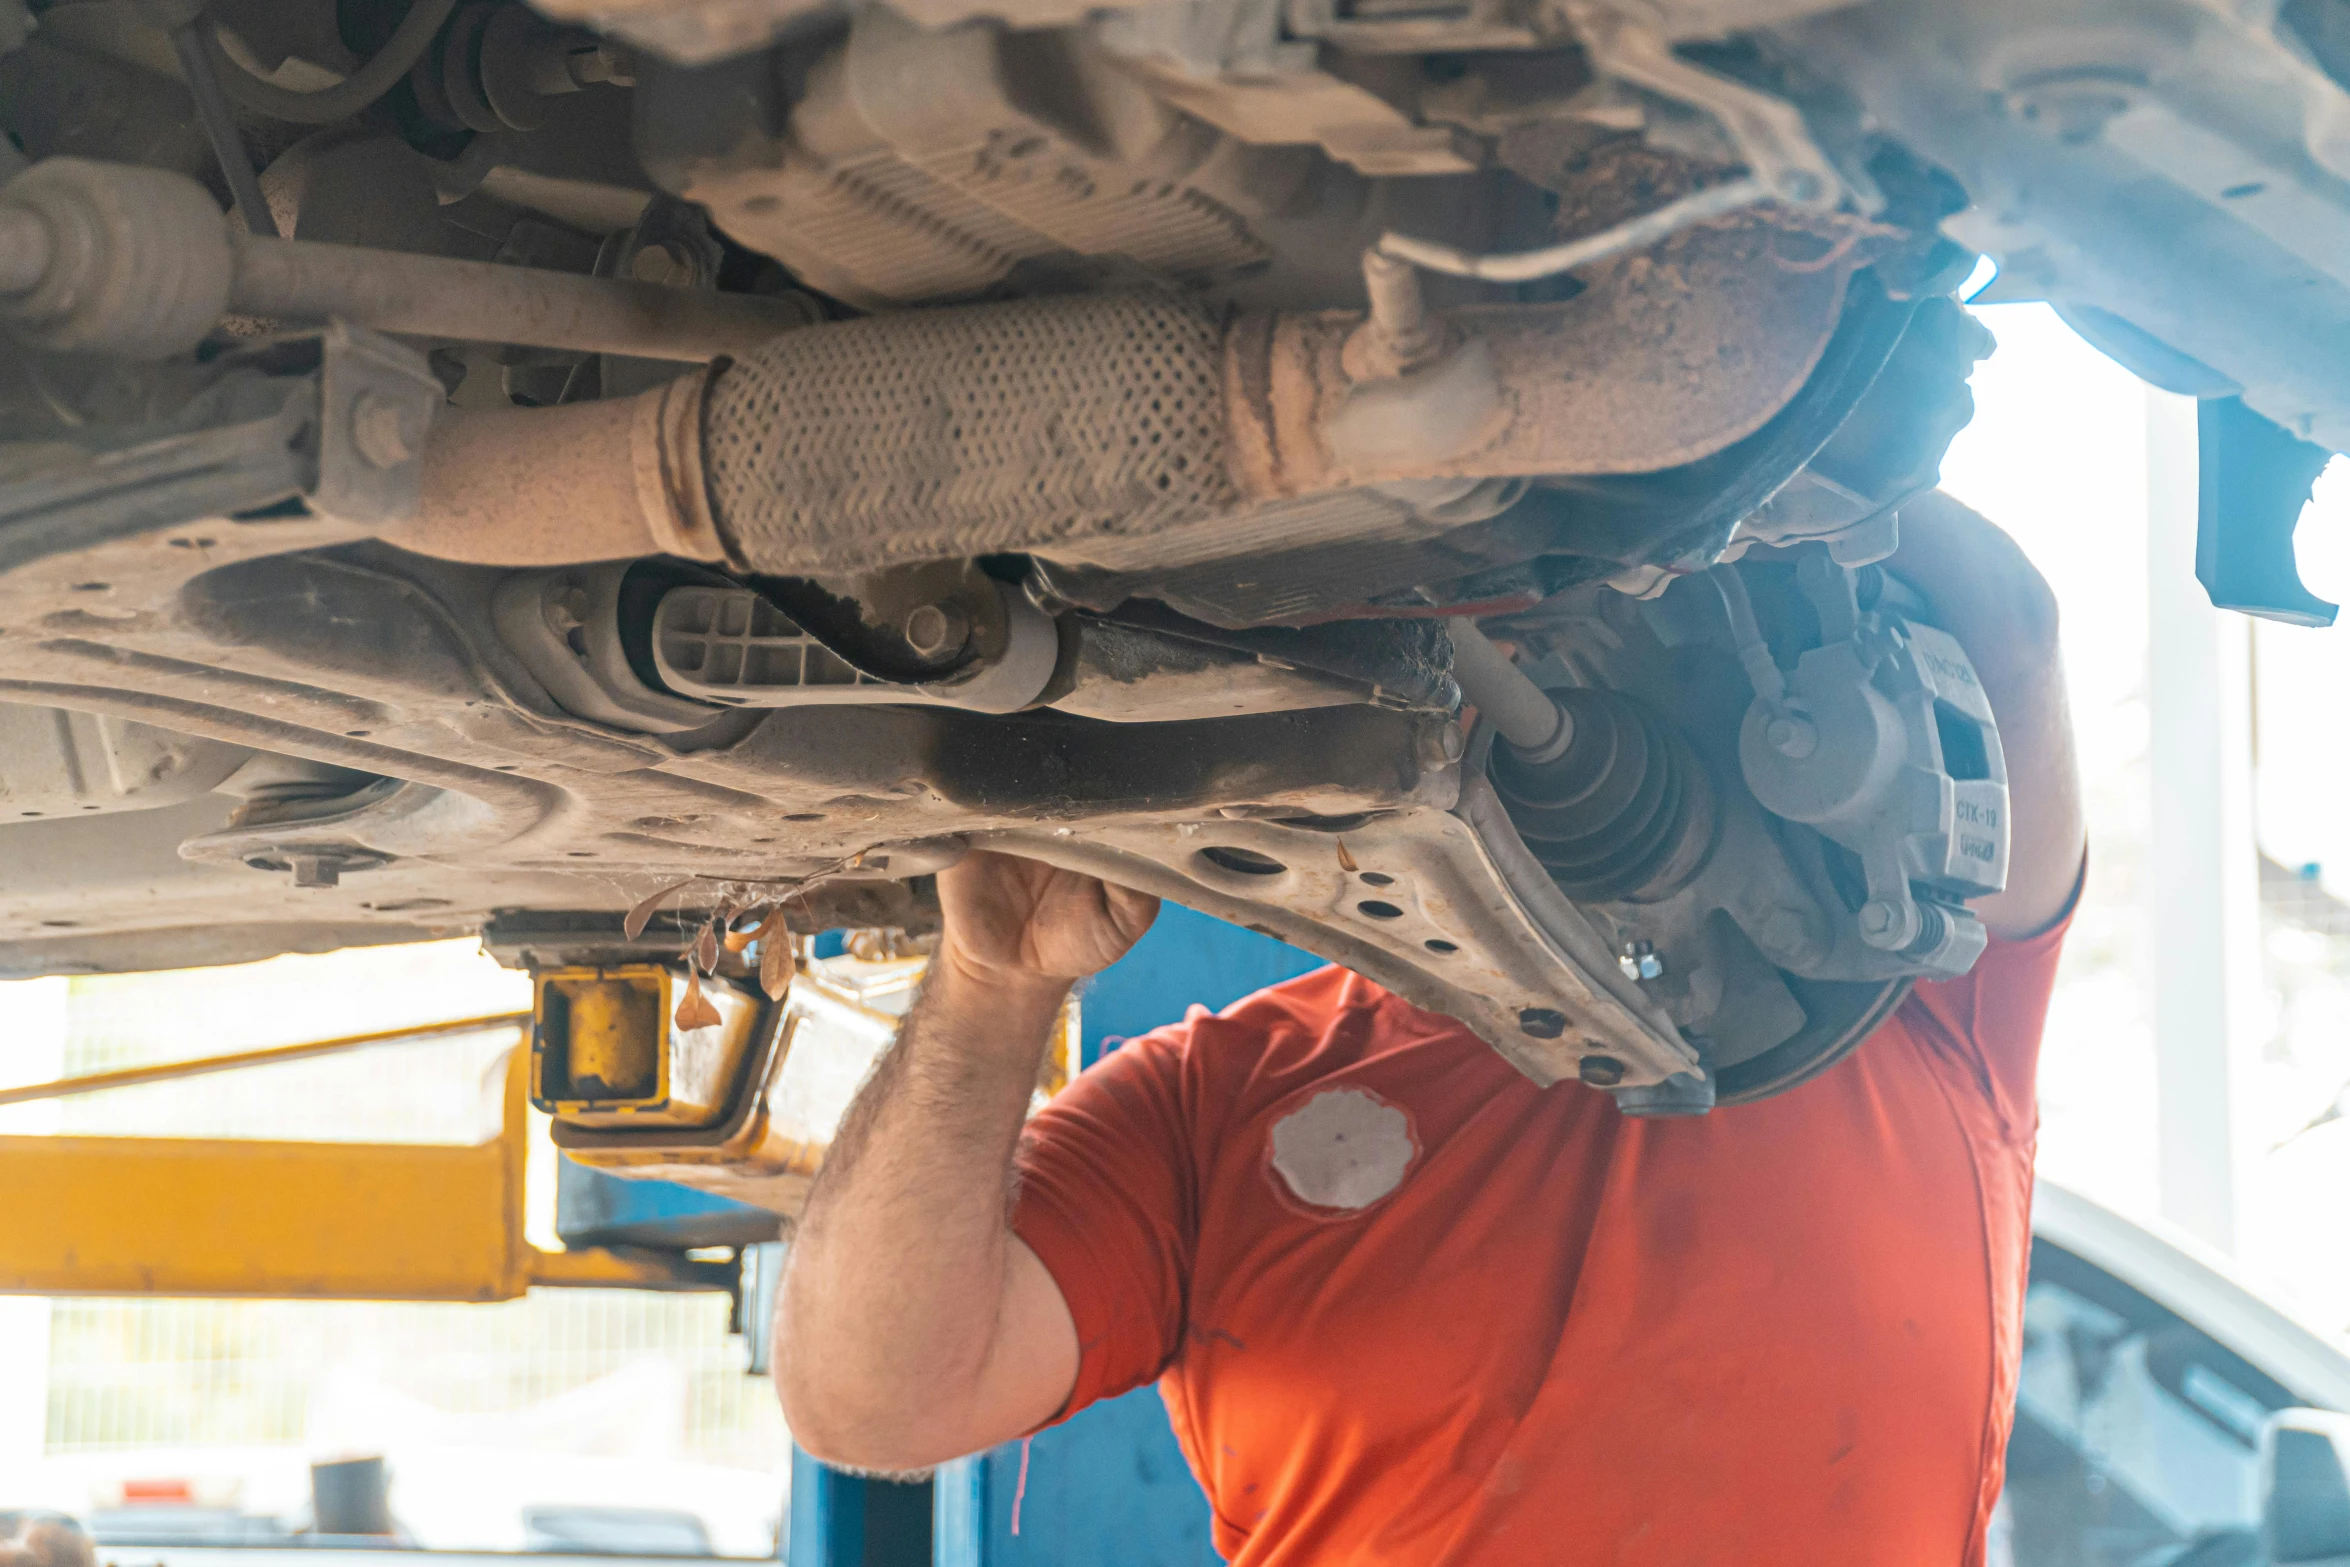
(738, 937)
(694, 1010)
(1346, 861)
(634, 926)
(706, 947)
(775, 956)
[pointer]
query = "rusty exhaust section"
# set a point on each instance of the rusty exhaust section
(564, 486)
(1651, 382)
(1041, 425)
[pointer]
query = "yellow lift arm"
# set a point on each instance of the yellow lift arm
(347, 1221)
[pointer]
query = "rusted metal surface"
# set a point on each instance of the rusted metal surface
(589, 481)
(1665, 358)
(611, 1047)
(744, 1156)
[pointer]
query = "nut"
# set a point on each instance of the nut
(385, 430)
(937, 631)
(660, 264)
(1886, 925)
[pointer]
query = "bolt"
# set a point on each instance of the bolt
(1600, 1071)
(937, 631)
(1886, 925)
(660, 264)
(1639, 961)
(1542, 1022)
(1792, 736)
(315, 870)
(384, 429)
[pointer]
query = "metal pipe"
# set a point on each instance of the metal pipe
(143, 263)
(1515, 395)
(479, 301)
(1527, 265)
(220, 129)
(25, 249)
(171, 1071)
(1522, 711)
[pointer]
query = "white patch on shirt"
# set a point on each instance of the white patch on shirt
(1343, 1148)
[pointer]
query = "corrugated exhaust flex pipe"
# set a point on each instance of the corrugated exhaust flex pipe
(1039, 425)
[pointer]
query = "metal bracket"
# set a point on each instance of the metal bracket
(377, 399)
(1443, 906)
(240, 443)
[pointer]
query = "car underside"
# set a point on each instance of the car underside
(640, 479)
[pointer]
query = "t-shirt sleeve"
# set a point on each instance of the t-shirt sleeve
(1993, 1015)
(1108, 1202)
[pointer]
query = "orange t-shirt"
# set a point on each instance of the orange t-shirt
(1406, 1307)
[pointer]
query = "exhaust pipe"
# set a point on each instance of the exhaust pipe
(1043, 426)
(1057, 427)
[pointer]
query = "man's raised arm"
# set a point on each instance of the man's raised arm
(914, 1327)
(2002, 611)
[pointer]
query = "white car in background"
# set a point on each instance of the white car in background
(2157, 1393)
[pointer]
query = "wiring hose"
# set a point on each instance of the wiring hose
(347, 97)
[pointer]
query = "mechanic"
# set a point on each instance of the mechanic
(1406, 1307)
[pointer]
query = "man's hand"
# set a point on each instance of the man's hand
(913, 1326)
(1986, 593)
(1023, 920)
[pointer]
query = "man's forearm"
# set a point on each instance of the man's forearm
(890, 1310)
